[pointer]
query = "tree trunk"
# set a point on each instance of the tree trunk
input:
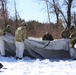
(69, 13)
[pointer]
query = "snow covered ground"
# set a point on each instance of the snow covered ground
(28, 66)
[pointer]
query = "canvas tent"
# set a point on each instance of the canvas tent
(39, 49)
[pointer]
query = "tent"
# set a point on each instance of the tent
(39, 48)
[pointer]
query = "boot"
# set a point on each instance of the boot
(16, 58)
(20, 58)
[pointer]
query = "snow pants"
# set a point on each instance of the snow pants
(2, 47)
(19, 49)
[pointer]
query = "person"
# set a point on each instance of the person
(73, 48)
(7, 30)
(73, 42)
(73, 32)
(65, 33)
(20, 36)
(72, 37)
(2, 48)
(47, 36)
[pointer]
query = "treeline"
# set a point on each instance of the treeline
(36, 29)
(60, 9)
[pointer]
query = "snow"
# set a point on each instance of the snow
(28, 66)
(39, 39)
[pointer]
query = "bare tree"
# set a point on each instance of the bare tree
(67, 19)
(56, 10)
(47, 10)
(16, 13)
(61, 10)
(4, 11)
(69, 4)
(75, 19)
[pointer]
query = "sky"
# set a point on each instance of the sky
(32, 10)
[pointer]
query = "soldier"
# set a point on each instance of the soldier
(73, 32)
(20, 36)
(65, 33)
(47, 36)
(72, 37)
(7, 30)
(73, 42)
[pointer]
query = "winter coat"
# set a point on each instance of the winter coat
(65, 33)
(73, 34)
(72, 42)
(7, 30)
(73, 38)
(20, 34)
